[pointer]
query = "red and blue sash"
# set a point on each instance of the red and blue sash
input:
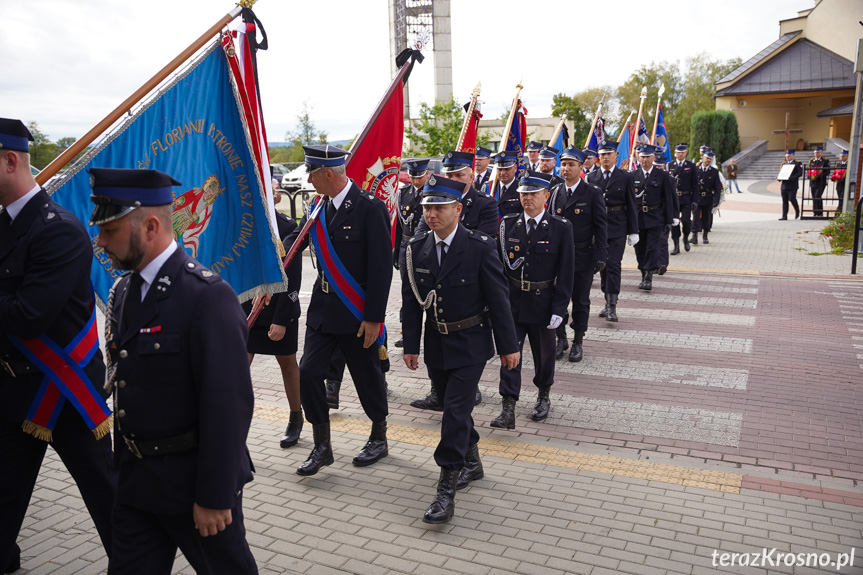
(64, 380)
(346, 287)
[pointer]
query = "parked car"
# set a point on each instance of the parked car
(278, 171)
(296, 179)
(435, 167)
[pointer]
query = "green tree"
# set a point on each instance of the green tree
(42, 149)
(652, 76)
(562, 104)
(306, 133)
(588, 100)
(699, 133)
(437, 129)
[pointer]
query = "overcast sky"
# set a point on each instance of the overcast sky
(70, 62)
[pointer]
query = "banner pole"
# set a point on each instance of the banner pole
(558, 129)
(656, 115)
(469, 117)
(69, 153)
(503, 139)
(595, 120)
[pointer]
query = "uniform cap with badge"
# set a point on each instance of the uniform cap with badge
(14, 135)
(439, 190)
(607, 146)
(533, 182)
(573, 153)
(118, 191)
(588, 152)
(506, 159)
(646, 150)
(325, 156)
(660, 160)
(482, 152)
(548, 153)
(417, 167)
(681, 147)
(533, 147)
(456, 161)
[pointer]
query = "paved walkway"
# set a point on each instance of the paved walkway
(722, 415)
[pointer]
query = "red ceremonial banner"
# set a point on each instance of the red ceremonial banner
(469, 144)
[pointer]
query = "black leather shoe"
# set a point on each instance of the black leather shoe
(612, 308)
(605, 309)
(661, 271)
(648, 281)
(15, 562)
(478, 399)
(506, 419)
(562, 346)
(333, 386)
(322, 452)
(292, 432)
(472, 469)
(676, 249)
(400, 342)
(375, 448)
(576, 353)
(443, 505)
(694, 239)
(784, 218)
(704, 239)
(686, 245)
(430, 402)
(543, 404)
(641, 285)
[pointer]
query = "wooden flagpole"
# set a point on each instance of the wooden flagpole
(643, 97)
(469, 117)
(69, 153)
(558, 129)
(595, 120)
(656, 116)
(503, 139)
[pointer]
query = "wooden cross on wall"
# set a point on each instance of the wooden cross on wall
(787, 131)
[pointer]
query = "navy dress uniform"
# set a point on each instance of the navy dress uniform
(463, 292)
(820, 167)
(654, 194)
(685, 177)
(840, 174)
(507, 194)
(481, 179)
(619, 193)
(284, 310)
(706, 199)
(408, 208)
(358, 234)
(789, 186)
(45, 259)
(589, 153)
(661, 163)
(584, 206)
(549, 153)
(531, 149)
(538, 257)
(176, 340)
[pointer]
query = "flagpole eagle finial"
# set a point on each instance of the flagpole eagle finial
(246, 3)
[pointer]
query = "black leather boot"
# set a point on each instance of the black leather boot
(641, 285)
(604, 311)
(648, 281)
(706, 241)
(562, 343)
(543, 404)
(443, 505)
(478, 398)
(694, 239)
(472, 469)
(506, 419)
(576, 353)
(322, 452)
(676, 249)
(430, 401)
(686, 245)
(375, 448)
(292, 432)
(333, 387)
(612, 308)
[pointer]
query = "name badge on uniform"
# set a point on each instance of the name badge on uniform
(422, 271)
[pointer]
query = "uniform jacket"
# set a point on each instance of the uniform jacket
(481, 179)
(709, 190)
(45, 260)
(655, 194)
(585, 211)
(685, 178)
(360, 233)
(821, 164)
(792, 182)
(409, 211)
(547, 255)
(618, 191)
(509, 202)
(471, 280)
(478, 212)
(181, 366)
(840, 165)
(284, 306)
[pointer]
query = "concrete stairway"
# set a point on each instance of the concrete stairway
(767, 166)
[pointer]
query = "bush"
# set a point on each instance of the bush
(840, 232)
(717, 129)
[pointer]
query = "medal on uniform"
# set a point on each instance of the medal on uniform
(511, 256)
(515, 248)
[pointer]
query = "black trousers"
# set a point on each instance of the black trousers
(145, 542)
(702, 218)
(789, 196)
(685, 218)
(649, 247)
(817, 187)
(609, 278)
(840, 191)
(542, 346)
(581, 289)
(336, 370)
(363, 363)
(89, 461)
(457, 390)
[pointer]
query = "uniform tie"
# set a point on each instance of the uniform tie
(531, 225)
(442, 249)
(132, 304)
(5, 221)
(331, 211)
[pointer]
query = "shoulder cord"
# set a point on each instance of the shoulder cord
(431, 299)
(110, 324)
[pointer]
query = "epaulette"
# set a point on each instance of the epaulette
(369, 196)
(479, 236)
(419, 235)
(201, 272)
(512, 215)
(559, 218)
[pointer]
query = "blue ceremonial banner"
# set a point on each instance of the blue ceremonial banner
(623, 148)
(195, 132)
(515, 140)
(560, 145)
(598, 134)
(662, 136)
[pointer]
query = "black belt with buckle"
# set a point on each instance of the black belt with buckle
(650, 208)
(580, 245)
(529, 286)
(685, 193)
(16, 368)
(448, 327)
(175, 444)
(325, 285)
(614, 208)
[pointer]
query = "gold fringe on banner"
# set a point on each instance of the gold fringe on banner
(37, 431)
(104, 428)
(382, 353)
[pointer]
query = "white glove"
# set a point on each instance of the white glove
(632, 239)
(675, 222)
(554, 322)
(714, 210)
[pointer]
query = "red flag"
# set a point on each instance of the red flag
(469, 143)
(374, 164)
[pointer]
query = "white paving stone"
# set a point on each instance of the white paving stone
(658, 297)
(662, 283)
(680, 315)
(673, 340)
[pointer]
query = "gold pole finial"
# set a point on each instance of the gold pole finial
(246, 3)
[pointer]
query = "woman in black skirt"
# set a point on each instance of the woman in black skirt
(275, 333)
